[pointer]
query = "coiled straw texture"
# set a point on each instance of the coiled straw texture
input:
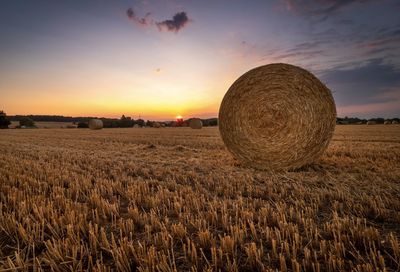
(195, 123)
(95, 124)
(277, 117)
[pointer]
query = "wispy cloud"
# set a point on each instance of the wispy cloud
(382, 109)
(299, 54)
(318, 8)
(370, 83)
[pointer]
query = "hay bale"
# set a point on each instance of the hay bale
(95, 124)
(394, 122)
(371, 123)
(387, 122)
(156, 125)
(195, 123)
(276, 117)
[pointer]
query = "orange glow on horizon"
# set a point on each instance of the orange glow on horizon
(111, 93)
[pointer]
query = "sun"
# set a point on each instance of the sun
(179, 117)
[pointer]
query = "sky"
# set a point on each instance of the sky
(160, 59)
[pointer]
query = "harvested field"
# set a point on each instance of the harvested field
(175, 200)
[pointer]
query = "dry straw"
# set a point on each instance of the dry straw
(95, 124)
(156, 125)
(277, 117)
(195, 123)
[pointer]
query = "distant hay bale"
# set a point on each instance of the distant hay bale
(371, 123)
(156, 125)
(195, 123)
(387, 122)
(394, 122)
(277, 117)
(71, 126)
(95, 124)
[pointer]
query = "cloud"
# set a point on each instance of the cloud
(299, 55)
(383, 40)
(374, 82)
(388, 109)
(318, 8)
(144, 21)
(179, 21)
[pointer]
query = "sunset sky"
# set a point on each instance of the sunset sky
(159, 59)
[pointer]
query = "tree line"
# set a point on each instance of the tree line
(82, 122)
(126, 122)
(357, 121)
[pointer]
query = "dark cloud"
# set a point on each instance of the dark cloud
(318, 8)
(299, 54)
(309, 45)
(144, 21)
(384, 40)
(178, 22)
(367, 83)
(345, 22)
(363, 43)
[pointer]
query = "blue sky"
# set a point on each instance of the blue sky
(167, 58)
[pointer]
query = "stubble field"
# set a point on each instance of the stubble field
(174, 199)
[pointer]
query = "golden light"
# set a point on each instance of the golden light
(179, 117)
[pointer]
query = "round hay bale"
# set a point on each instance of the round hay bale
(394, 122)
(195, 123)
(156, 125)
(95, 124)
(387, 122)
(371, 123)
(277, 117)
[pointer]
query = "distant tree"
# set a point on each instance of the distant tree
(149, 123)
(378, 120)
(27, 122)
(126, 122)
(210, 122)
(83, 125)
(4, 122)
(179, 122)
(140, 122)
(213, 122)
(110, 123)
